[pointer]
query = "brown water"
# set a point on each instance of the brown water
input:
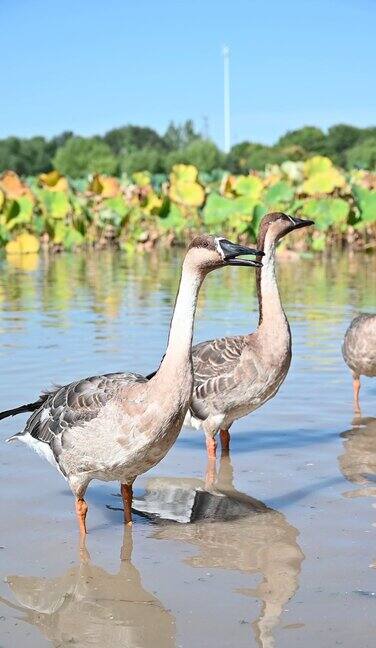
(288, 555)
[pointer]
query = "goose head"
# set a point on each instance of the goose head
(277, 225)
(206, 253)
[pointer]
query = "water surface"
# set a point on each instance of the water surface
(288, 558)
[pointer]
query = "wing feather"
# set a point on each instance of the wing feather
(76, 403)
(215, 365)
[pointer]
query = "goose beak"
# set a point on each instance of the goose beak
(231, 250)
(297, 223)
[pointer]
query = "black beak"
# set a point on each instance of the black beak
(297, 223)
(232, 250)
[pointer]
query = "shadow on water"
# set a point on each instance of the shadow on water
(87, 606)
(231, 531)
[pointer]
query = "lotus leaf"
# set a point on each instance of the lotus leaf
(258, 213)
(18, 212)
(53, 181)
(49, 179)
(249, 186)
(24, 243)
(279, 193)
(184, 173)
(13, 187)
(366, 201)
(158, 181)
(117, 204)
(142, 178)
(153, 203)
(227, 185)
(365, 179)
(327, 212)
(54, 204)
(2, 199)
(95, 185)
(217, 210)
(293, 170)
(174, 220)
(317, 164)
(187, 193)
(323, 182)
(110, 186)
(72, 238)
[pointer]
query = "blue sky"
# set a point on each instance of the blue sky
(88, 66)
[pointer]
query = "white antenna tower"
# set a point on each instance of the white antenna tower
(226, 97)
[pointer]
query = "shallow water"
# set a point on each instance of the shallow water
(288, 558)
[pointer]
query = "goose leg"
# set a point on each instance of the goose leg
(211, 446)
(127, 495)
(211, 474)
(356, 387)
(225, 441)
(81, 510)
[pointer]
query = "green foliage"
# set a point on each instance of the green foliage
(129, 139)
(279, 195)
(142, 207)
(327, 212)
(203, 154)
(362, 155)
(366, 202)
(180, 136)
(54, 204)
(146, 158)
(309, 138)
(79, 157)
(322, 176)
(173, 220)
(248, 186)
(184, 189)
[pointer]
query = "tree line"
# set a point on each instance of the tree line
(135, 148)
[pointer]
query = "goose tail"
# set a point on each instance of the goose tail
(14, 437)
(30, 407)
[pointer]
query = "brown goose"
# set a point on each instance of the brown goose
(233, 376)
(118, 426)
(359, 351)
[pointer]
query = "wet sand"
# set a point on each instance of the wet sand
(276, 549)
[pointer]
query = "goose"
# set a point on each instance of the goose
(235, 375)
(117, 426)
(359, 351)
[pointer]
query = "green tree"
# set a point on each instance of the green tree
(310, 138)
(362, 155)
(203, 154)
(146, 159)
(133, 138)
(80, 156)
(10, 157)
(25, 156)
(340, 138)
(180, 136)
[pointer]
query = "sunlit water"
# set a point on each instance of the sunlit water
(296, 568)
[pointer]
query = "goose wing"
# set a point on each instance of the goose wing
(215, 365)
(76, 403)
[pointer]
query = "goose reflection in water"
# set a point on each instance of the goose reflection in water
(231, 531)
(89, 607)
(358, 461)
